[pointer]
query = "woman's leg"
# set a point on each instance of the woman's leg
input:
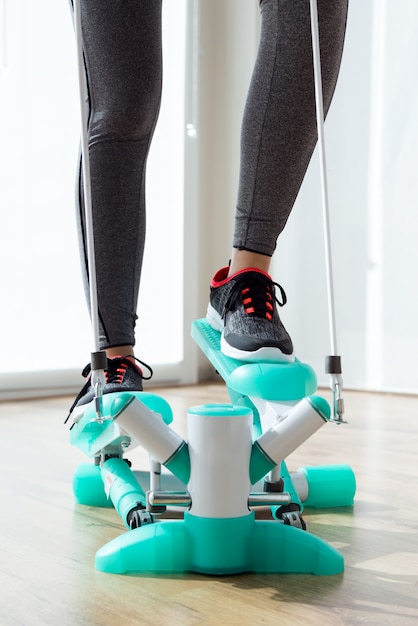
(123, 65)
(123, 72)
(279, 125)
(278, 137)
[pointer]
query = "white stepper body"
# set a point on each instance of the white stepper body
(220, 447)
(220, 442)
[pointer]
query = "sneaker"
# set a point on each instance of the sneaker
(122, 374)
(243, 308)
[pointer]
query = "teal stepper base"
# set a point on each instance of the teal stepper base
(219, 547)
(88, 486)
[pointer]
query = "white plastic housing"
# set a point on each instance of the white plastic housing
(149, 429)
(291, 430)
(219, 438)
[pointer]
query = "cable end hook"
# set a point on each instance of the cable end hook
(333, 367)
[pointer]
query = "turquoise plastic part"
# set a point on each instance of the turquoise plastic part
(278, 548)
(239, 399)
(274, 381)
(85, 433)
(208, 341)
(219, 546)
(321, 406)
(329, 486)
(270, 381)
(260, 463)
(156, 548)
(179, 463)
(124, 490)
(219, 410)
(88, 486)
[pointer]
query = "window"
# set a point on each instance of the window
(45, 331)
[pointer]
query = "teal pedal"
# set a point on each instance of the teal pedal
(89, 434)
(209, 341)
(281, 382)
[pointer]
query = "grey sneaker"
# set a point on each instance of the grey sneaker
(243, 308)
(121, 374)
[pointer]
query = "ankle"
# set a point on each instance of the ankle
(120, 351)
(244, 259)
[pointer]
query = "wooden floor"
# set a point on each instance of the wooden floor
(47, 543)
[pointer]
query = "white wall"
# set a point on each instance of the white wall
(228, 44)
(45, 334)
(371, 136)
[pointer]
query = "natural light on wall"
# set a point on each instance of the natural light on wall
(371, 137)
(44, 322)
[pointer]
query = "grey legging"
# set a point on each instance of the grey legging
(123, 62)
